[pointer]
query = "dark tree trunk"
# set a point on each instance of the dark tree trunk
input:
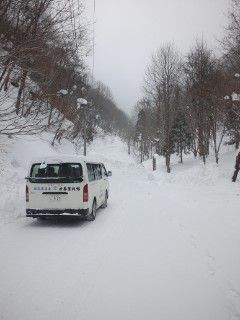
(7, 78)
(20, 91)
(168, 163)
(237, 168)
(237, 144)
(129, 146)
(234, 178)
(181, 156)
(50, 117)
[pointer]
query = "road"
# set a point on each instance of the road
(157, 252)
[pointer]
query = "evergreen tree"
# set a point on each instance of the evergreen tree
(181, 136)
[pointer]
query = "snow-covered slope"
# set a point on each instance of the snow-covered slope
(193, 172)
(167, 246)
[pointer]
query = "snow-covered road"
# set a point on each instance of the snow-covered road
(159, 251)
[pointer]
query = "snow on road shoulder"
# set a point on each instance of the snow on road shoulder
(193, 172)
(207, 213)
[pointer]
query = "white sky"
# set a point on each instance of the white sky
(129, 31)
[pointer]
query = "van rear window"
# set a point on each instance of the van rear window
(62, 172)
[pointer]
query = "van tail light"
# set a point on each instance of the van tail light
(27, 193)
(85, 193)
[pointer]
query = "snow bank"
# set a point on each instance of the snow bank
(193, 172)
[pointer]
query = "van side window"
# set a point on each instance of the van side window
(94, 171)
(90, 169)
(99, 172)
(104, 171)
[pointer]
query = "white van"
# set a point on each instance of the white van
(68, 187)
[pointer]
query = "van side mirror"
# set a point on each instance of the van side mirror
(109, 173)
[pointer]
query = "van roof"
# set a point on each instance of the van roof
(63, 158)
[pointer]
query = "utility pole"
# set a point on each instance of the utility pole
(82, 105)
(85, 130)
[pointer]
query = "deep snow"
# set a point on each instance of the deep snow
(167, 246)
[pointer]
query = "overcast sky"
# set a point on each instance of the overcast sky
(129, 31)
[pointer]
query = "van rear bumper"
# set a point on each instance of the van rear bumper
(33, 213)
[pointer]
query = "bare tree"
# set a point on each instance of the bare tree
(161, 81)
(199, 70)
(43, 44)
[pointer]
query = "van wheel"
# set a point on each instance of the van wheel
(105, 203)
(92, 215)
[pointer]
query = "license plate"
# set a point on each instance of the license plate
(55, 198)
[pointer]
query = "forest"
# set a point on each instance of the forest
(190, 103)
(43, 73)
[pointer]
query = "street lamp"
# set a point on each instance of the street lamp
(82, 104)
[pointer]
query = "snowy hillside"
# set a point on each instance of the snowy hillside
(167, 246)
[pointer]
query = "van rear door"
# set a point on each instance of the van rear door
(56, 186)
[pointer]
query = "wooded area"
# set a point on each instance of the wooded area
(43, 73)
(191, 103)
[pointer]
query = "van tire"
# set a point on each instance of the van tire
(92, 215)
(105, 203)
